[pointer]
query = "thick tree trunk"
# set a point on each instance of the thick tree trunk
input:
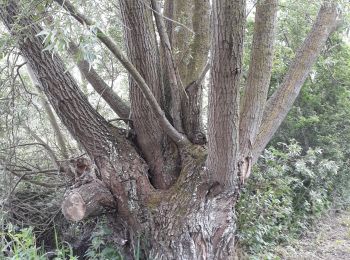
(195, 217)
(223, 120)
(194, 226)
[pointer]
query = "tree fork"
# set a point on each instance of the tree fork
(159, 151)
(177, 137)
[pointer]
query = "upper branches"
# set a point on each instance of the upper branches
(259, 74)
(59, 86)
(114, 101)
(283, 98)
(168, 128)
(175, 85)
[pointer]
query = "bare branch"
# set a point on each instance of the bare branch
(43, 184)
(52, 118)
(169, 19)
(113, 100)
(40, 141)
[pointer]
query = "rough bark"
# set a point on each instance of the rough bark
(116, 103)
(223, 121)
(194, 219)
(192, 111)
(281, 101)
(259, 75)
(175, 85)
(142, 51)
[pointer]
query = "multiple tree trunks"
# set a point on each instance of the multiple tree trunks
(279, 104)
(142, 50)
(191, 39)
(179, 195)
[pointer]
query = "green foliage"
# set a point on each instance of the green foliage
(99, 248)
(287, 192)
(18, 245)
(21, 244)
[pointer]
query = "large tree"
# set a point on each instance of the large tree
(172, 185)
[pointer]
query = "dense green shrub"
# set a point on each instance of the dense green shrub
(100, 248)
(286, 193)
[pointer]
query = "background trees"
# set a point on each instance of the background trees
(162, 143)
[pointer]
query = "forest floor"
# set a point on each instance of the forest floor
(330, 240)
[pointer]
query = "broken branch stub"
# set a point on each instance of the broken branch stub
(87, 200)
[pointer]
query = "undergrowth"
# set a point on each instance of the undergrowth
(288, 191)
(19, 244)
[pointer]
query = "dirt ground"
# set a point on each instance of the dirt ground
(329, 240)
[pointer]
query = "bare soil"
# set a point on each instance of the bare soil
(330, 240)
